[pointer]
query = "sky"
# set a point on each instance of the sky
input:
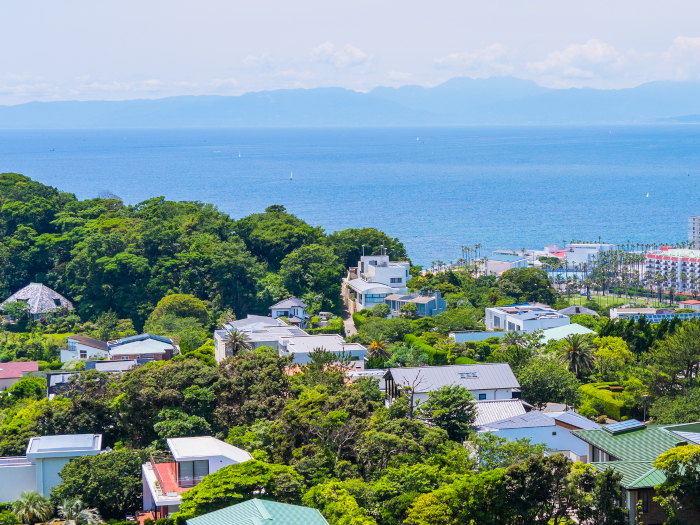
(108, 50)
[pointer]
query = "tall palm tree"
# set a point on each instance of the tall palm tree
(32, 507)
(73, 512)
(578, 353)
(235, 342)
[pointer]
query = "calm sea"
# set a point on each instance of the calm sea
(434, 188)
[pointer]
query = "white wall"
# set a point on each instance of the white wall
(564, 439)
(16, 479)
(92, 353)
(8, 382)
(47, 470)
(501, 393)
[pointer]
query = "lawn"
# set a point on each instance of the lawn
(609, 300)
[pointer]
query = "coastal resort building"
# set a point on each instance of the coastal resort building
(41, 300)
(259, 511)
(631, 448)
(37, 470)
(374, 278)
(524, 317)
(293, 309)
(677, 268)
(166, 477)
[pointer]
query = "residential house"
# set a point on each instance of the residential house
(40, 300)
(300, 348)
(497, 263)
(426, 306)
(630, 448)
(293, 309)
(56, 382)
(499, 409)
(259, 511)
(693, 304)
(527, 317)
(45, 457)
(487, 381)
(191, 458)
(142, 346)
(550, 429)
(81, 347)
(10, 373)
(578, 310)
(257, 329)
(374, 279)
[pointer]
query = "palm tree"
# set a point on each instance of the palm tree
(578, 353)
(32, 507)
(378, 349)
(236, 341)
(73, 512)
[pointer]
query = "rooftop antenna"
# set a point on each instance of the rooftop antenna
(383, 249)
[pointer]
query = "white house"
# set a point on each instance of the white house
(486, 382)
(300, 347)
(191, 458)
(81, 347)
(293, 309)
(551, 429)
(374, 279)
(45, 457)
(690, 303)
(142, 346)
(528, 317)
(497, 263)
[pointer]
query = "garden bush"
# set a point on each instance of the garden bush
(600, 393)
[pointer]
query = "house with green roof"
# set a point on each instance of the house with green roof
(261, 512)
(631, 448)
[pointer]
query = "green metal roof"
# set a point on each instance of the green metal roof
(638, 445)
(261, 512)
(635, 474)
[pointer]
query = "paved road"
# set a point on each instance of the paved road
(348, 322)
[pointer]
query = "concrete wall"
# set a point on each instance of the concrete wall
(47, 477)
(15, 479)
(501, 393)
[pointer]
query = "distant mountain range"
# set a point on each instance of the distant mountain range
(459, 101)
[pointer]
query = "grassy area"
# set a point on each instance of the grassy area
(609, 300)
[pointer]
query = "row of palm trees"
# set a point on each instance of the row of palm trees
(33, 508)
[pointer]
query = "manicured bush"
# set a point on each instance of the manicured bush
(358, 319)
(613, 404)
(464, 361)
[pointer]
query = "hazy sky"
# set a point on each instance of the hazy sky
(106, 50)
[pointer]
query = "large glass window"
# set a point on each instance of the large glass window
(496, 321)
(375, 297)
(191, 472)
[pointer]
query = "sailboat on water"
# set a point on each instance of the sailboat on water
(239, 154)
(291, 175)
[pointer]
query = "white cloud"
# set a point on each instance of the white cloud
(575, 55)
(472, 59)
(264, 61)
(340, 58)
(219, 82)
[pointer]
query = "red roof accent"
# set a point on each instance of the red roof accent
(650, 255)
(691, 301)
(667, 258)
(674, 258)
(685, 259)
(665, 248)
(12, 370)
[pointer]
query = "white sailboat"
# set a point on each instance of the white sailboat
(647, 195)
(290, 175)
(239, 154)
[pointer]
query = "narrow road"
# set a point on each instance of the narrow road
(347, 321)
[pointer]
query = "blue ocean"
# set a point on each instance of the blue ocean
(434, 188)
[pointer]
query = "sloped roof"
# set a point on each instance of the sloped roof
(140, 344)
(89, 341)
(575, 420)
(635, 474)
(16, 369)
(290, 302)
(253, 321)
(645, 444)
(533, 419)
(39, 298)
(560, 332)
(484, 376)
(575, 310)
(363, 286)
(205, 446)
(261, 512)
(490, 411)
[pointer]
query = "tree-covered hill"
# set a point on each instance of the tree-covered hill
(105, 255)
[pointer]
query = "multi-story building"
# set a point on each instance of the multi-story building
(426, 305)
(374, 278)
(672, 267)
(527, 317)
(580, 253)
(694, 231)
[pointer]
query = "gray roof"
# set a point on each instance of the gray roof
(51, 445)
(89, 341)
(498, 410)
(574, 310)
(141, 344)
(114, 366)
(39, 298)
(428, 378)
(364, 286)
(529, 420)
(290, 302)
(575, 420)
(254, 321)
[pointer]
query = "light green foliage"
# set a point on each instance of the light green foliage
(612, 355)
(32, 507)
(496, 452)
(26, 388)
(681, 466)
(409, 311)
(110, 482)
(238, 483)
(252, 437)
(451, 408)
(8, 518)
(337, 505)
(611, 403)
(545, 381)
(179, 305)
(172, 423)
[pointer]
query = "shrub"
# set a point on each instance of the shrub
(611, 401)
(464, 361)
(358, 319)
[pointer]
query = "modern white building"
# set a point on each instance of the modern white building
(675, 268)
(552, 429)
(497, 263)
(487, 381)
(300, 348)
(374, 279)
(191, 458)
(527, 317)
(45, 457)
(694, 231)
(584, 253)
(291, 308)
(81, 347)
(142, 346)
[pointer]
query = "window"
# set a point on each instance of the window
(396, 280)
(57, 302)
(482, 397)
(191, 472)
(496, 321)
(83, 353)
(71, 345)
(375, 297)
(554, 433)
(125, 358)
(644, 497)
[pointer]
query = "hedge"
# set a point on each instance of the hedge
(614, 406)
(358, 319)
(465, 361)
(434, 357)
(326, 330)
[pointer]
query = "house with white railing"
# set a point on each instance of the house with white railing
(166, 477)
(374, 278)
